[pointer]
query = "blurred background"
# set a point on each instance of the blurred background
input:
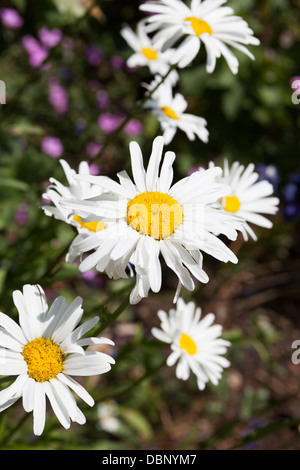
(67, 88)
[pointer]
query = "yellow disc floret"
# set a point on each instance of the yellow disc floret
(154, 214)
(199, 26)
(188, 344)
(91, 226)
(44, 359)
(169, 112)
(149, 53)
(232, 204)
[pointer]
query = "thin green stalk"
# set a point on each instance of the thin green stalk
(111, 318)
(122, 390)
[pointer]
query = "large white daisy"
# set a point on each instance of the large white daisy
(44, 351)
(196, 344)
(149, 217)
(171, 114)
(249, 197)
(147, 53)
(204, 22)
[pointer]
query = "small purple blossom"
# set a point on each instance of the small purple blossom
(21, 216)
(109, 122)
(117, 62)
(58, 97)
(92, 279)
(93, 148)
(52, 146)
(133, 128)
(11, 18)
(37, 53)
(94, 169)
(50, 37)
(102, 99)
(93, 55)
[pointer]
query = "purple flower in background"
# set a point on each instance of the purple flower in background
(37, 53)
(52, 146)
(58, 97)
(11, 18)
(109, 122)
(133, 128)
(117, 62)
(50, 37)
(93, 55)
(102, 99)
(93, 148)
(92, 279)
(94, 169)
(21, 216)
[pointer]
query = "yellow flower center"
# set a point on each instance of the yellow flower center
(154, 214)
(188, 344)
(91, 226)
(169, 112)
(232, 204)
(44, 359)
(199, 26)
(149, 53)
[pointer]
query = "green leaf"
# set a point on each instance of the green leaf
(13, 183)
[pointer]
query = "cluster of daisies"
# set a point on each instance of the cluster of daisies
(169, 38)
(138, 225)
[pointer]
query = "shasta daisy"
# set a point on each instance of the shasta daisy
(206, 22)
(44, 352)
(150, 217)
(195, 343)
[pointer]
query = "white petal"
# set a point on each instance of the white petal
(79, 389)
(154, 162)
(39, 408)
(57, 405)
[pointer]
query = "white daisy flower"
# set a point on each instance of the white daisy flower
(44, 352)
(147, 53)
(75, 189)
(170, 112)
(249, 198)
(196, 344)
(149, 217)
(204, 22)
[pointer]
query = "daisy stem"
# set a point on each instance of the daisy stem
(138, 108)
(132, 386)
(111, 318)
(57, 259)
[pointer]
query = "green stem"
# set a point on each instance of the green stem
(132, 386)
(111, 318)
